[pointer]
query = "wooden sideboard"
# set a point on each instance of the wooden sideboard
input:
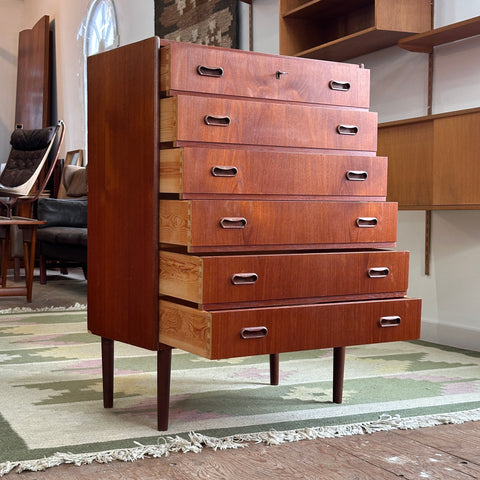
(237, 207)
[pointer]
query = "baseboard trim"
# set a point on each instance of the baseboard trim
(452, 335)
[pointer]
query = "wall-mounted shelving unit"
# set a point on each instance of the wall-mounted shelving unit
(433, 160)
(339, 30)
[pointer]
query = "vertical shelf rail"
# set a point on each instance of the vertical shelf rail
(428, 236)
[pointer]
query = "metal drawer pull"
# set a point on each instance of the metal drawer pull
(366, 222)
(347, 129)
(253, 332)
(205, 71)
(378, 272)
(244, 278)
(340, 86)
(233, 222)
(220, 171)
(356, 175)
(393, 321)
(215, 121)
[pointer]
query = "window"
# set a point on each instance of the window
(101, 27)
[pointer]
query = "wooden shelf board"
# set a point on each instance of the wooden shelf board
(354, 45)
(428, 118)
(424, 42)
(325, 7)
(438, 207)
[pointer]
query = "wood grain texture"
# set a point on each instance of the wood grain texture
(262, 123)
(122, 205)
(289, 328)
(171, 170)
(188, 171)
(455, 447)
(432, 160)
(410, 162)
(293, 278)
(404, 16)
(330, 30)
(390, 452)
(32, 107)
(186, 328)
(175, 225)
(253, 75)
(181, 276)
(424, 42)
(317, 224)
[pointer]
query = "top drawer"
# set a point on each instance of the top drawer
(219, 71)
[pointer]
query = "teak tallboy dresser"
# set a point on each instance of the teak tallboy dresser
(237, 207)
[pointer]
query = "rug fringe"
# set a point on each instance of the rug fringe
(197, 441)
(76, 307)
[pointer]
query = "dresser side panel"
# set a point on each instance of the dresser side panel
(123, 186)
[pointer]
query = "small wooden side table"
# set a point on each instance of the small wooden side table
(28, 226)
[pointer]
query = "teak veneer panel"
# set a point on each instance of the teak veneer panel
(433, 160)
(34, 85)
(182, 119)
(215, 281)
(339, 30)
(188, 172)
(196, 224)
(424, 42)
(254, 75)
(122, 198)
(217, 334)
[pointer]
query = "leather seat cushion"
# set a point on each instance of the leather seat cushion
(63, 235)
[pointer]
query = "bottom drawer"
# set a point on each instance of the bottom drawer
(256, 331)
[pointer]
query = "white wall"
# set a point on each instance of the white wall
(68, 17)
(11, 20)
(451, 298)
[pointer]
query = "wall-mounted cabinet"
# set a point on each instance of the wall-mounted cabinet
(339, 30)
(433, 161)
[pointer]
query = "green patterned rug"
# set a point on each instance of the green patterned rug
(51, 395)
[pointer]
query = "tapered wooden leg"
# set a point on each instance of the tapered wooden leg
(274, 368)
(107, 372)
(164, 365)
(42, 262)
(29, 241)
(338, 372)
(4, 259)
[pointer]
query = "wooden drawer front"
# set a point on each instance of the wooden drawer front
(209, 225)
(187, 118)
(220, 281)
(201, 69)
(244, 332)
(193, 171)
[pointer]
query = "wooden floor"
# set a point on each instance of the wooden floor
(445, 452)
